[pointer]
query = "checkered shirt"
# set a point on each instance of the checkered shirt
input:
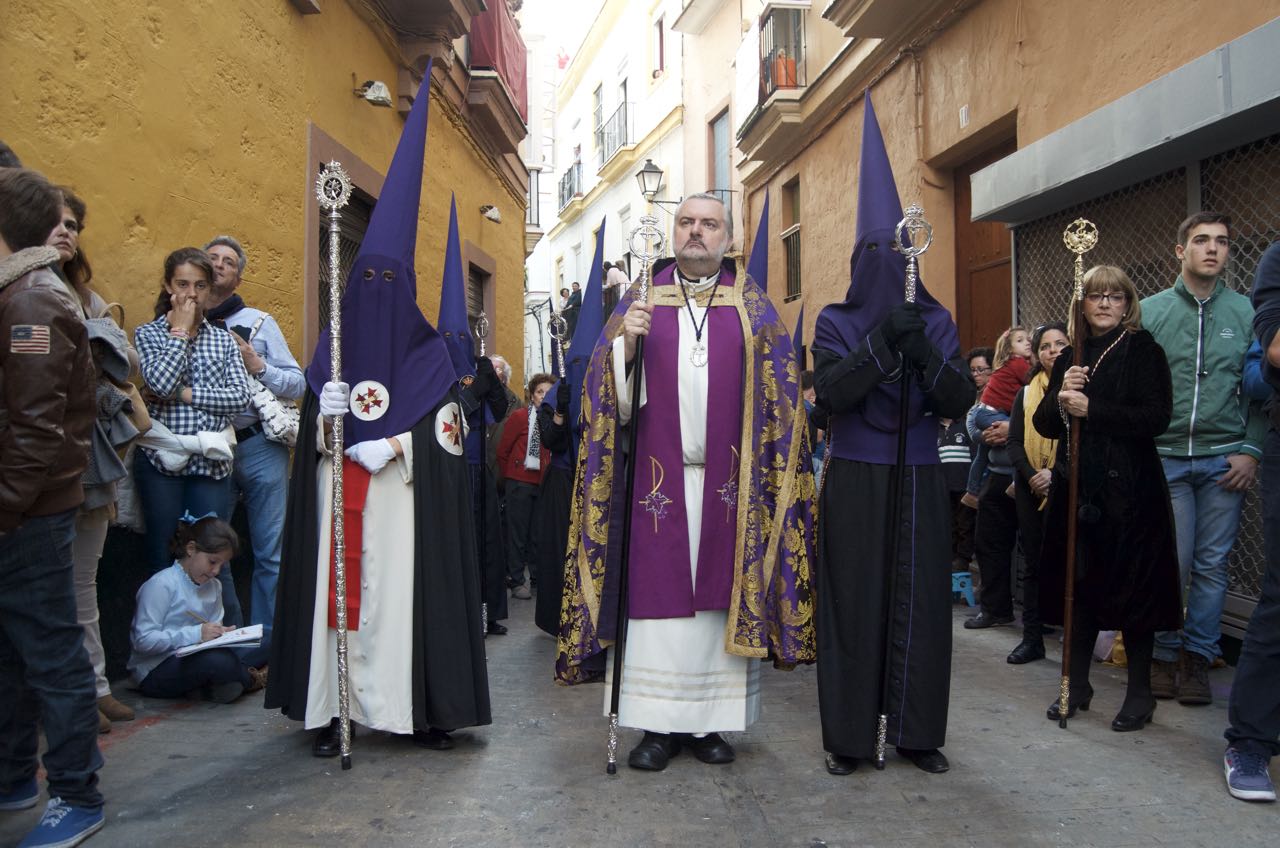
(211, 365)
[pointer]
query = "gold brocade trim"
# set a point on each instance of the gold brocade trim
(749, 342)
(673, 296)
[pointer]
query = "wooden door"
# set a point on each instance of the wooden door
(984, 267)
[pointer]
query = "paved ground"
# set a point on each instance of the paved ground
(205, 775)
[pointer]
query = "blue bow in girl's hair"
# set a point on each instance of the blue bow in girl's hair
(188, 518)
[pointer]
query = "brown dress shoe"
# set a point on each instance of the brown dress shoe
(114, 710)
(104, 723)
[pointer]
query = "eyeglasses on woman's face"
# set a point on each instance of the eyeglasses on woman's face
(980, 369)
(1115, 298)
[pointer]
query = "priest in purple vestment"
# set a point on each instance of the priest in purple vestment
(722, 509)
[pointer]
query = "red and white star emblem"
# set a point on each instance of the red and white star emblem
(451, 429)
(369, 400)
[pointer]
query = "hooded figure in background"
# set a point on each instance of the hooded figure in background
(483, 400)
(560, 430)
(416, 653)
(861, 348)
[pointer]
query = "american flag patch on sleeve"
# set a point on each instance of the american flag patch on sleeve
(29, 338)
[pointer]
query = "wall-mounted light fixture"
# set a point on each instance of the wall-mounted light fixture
(374, 91)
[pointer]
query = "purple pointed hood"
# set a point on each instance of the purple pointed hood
(587, 332)
(758, 258)
(453, 323)
(876, 270)
(395, 362)
(877, 274)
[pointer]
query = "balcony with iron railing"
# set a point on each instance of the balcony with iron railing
(570, 185)
(782, 50)
(615, 133)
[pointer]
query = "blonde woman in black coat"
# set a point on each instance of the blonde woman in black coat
(1126, 573)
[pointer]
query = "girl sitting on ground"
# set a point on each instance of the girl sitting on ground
(182, 605)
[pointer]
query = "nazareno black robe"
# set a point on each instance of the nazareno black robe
(551, 521)
(450, 681)
(1126, 554)
(853, 548)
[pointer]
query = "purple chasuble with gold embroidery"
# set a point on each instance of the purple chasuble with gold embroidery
(660, 582)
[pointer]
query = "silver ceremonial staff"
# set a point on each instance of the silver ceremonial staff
(333, 189)
(913, 235)
(647, 244)
(559, 329)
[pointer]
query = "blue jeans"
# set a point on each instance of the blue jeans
(1205, 519)
(164, 498)
(45, 673)
(1254, 705)
(177, 676)
(260, 475)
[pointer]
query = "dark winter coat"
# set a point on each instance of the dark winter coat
(1126, 558)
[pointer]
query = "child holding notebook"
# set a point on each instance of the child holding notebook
(181, 606)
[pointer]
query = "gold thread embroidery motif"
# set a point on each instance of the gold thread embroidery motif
(655, 503)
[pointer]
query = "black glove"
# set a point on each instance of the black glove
(902, 319)
(486, 377)
(562, 399)
(915, 346)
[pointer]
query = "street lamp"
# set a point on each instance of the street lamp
(650, 179)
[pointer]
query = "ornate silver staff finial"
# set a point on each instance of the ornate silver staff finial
(1080, 237)
(647, 244)
(482, 330)
(333, 190)
(910, 243)
(559, 328)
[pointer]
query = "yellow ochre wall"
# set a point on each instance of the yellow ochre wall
(1029, 67)
(177, 121)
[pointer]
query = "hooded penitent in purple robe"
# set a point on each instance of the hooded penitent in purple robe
(858, 375)
(756, 540)
(396, 363)
(876, 275)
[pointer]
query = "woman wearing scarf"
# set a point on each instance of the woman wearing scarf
(1032, 456)
(522, 462)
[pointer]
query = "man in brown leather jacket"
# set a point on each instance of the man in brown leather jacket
(46, 417)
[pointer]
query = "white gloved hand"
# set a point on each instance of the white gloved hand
(335, 399)
(373, 455)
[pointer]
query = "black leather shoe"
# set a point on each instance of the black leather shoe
(497, 629)
(1053, 713)
(1125, 723)
(433, 738)
(711, 749)
(983, 620)
(1028, 650)
(654, 751)
(931, 761)
(838, 764)
(327, 742)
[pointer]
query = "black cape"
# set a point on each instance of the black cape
(854, 543)
(1126, 553)
(551, 522)
(450, 681)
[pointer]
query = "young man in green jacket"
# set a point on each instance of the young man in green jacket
(1212, 447)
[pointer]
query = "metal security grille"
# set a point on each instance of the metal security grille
(1137, 230)
(355, 220)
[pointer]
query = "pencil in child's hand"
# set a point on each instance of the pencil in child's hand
(197, 618)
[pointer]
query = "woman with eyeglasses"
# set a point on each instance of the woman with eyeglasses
(1126, 569)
